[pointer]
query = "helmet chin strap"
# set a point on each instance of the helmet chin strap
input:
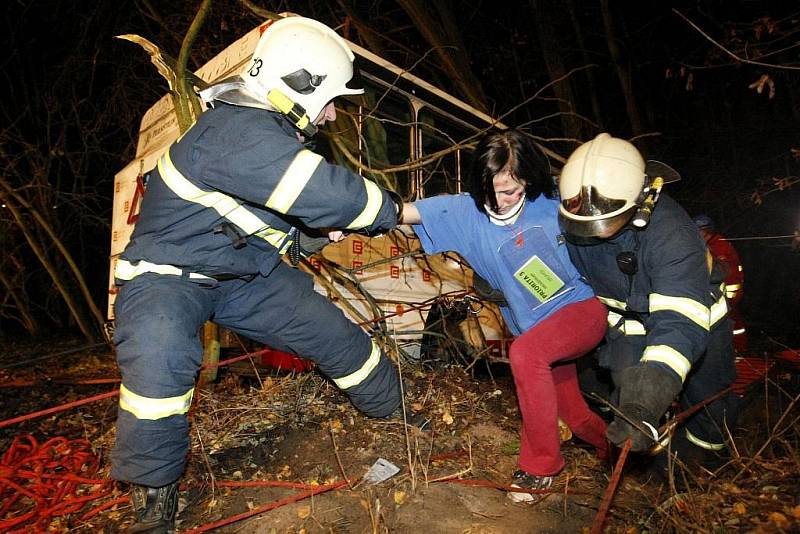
(233, 91)
(506, 218)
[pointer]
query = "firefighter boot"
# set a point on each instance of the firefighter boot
(155, 509)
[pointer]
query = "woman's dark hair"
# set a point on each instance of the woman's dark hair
(515, 152)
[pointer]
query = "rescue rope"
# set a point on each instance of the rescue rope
(58, 381)
(758, 238)
(62, 353)
(39, 483)
(59, 408)
(422, 305)
(267, 507)
(81, 402)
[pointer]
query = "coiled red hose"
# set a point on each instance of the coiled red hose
(39, 483)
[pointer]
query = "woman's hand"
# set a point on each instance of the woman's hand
(336, 235)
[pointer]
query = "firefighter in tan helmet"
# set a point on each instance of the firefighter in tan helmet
(668, 336)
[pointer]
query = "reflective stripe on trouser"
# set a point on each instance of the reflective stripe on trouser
(159, 353)
(713, 373)
(303, 322)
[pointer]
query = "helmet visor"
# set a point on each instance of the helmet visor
(578, 229)
(590, 203)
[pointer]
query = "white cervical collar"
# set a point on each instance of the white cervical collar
(507, 218)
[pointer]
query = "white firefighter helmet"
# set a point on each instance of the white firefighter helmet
(601, 187)
(299, 61)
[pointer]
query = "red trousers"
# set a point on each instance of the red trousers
(547, 384)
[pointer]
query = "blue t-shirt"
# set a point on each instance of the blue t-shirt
(526, 260)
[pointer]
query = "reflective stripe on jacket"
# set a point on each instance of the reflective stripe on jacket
(670, 301)
(226, 195)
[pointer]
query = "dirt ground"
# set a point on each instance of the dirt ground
(257, 424)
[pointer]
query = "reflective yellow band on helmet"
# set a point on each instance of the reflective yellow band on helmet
(629, 327)
(293, 181)
(612, 303)
(718, 311)
(226, 206)
(154, 408)
(372, 208)
(669, 357)
(704, 444)
(125, 270)
(355, 378)
(687, 307)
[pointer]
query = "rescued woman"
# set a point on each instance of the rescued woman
(506, 228)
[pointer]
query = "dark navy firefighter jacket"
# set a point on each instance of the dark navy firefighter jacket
(240, 175)
(663, 313)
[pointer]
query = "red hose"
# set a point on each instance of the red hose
(41, 482)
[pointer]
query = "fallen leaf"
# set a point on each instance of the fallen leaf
(303, 511)
(399, 497)
(728, 487)
(740, 508)
(796, 512)
(447, 418)
(778, 518)
(417, 406)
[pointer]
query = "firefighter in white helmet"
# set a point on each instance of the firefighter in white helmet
(669, 335)
(227, 201)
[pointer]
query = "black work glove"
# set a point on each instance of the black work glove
(645, 393)
(485, 290)
(398, 203)
(305, 245)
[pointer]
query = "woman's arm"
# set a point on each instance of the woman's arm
(410, 214)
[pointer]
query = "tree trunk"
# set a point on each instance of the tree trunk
(51, 270)
(553, 57)
(370, 37)
(64, 252)
(444, 36)
(623, 70)
(26, 318)
(597, 111)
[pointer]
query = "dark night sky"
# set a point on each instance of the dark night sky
(721, 135)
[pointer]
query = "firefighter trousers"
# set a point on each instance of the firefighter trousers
(159, 352)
